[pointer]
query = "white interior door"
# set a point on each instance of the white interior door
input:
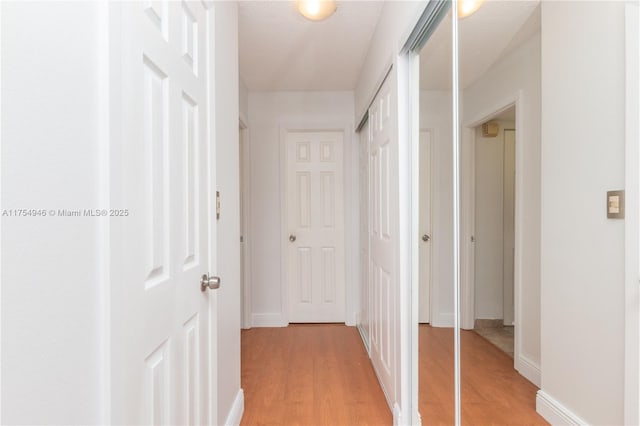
(424, 269)
(509, 234)
(161, 163)
(383, 168)
(316, 226)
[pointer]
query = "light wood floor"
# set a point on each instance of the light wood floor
(309, 375)
(492, 392)
(321, 375)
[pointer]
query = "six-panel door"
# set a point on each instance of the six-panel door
(316, 226)
(160, 164)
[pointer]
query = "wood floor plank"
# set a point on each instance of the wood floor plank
(492, 391)
(320, 374)
(312, 374)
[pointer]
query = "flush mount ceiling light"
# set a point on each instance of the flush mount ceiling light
(316, 10)
(468, 7)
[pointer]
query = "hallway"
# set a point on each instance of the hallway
(340, 386)
(309, 374)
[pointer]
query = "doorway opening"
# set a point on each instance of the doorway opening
(494, 224)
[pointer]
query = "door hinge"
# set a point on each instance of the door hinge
(217, 205)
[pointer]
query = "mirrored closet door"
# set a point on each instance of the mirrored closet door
(475, 207)
(433, 236)
(499, 82)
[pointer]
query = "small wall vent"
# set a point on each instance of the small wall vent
(490, 129)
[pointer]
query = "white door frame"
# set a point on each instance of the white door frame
(417, 177)
(245, 160)
(284, 217)
(632, 225)
(467, 282)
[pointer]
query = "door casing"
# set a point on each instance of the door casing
(425, 274)
(245, 218)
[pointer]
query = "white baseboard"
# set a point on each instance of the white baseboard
(268, 320)
(554, 412)
(529, 370)
(365, 339)
(352, 318)
(397, 416)
(237, 409)
(442, 320)
(403, 420)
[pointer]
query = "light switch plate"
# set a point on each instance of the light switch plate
(615, 204)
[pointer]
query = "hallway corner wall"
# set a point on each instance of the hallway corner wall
(53, 275)
(229, 393)
(582, 252)
(243, 102)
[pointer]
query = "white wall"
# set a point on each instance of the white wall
(243, 101)
(583, 254)
(268, 113)
(632, 220)
(489, 281)
(435, 114)
(397, 20)
(518, 75)
(51, 335)
(228, 229)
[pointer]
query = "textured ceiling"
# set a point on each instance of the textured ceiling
(494, 31)
(281, 50)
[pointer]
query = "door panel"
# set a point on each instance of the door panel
(316, 219)
(160, 316)
(383, 168)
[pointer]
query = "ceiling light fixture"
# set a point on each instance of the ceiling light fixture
(468, 7)
(316, 10)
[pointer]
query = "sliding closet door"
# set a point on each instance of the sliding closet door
(433, 236)
(364, 317)
(383, 199)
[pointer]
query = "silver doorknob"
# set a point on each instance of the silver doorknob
(208, 282)
(425, 238)
(292, 238)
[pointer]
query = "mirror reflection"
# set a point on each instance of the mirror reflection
(499, 71)
(499, 96)
(435, 239)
